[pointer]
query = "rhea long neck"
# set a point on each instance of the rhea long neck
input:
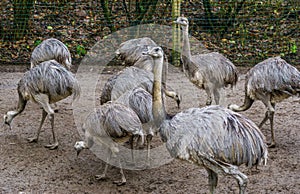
(186, 51)
(21, 106)
(158, 109)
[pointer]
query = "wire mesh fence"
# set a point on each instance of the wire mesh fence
(245, 31)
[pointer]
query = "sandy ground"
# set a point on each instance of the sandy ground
(31, 168)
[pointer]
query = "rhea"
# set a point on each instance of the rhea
(140, 101)
(270, 81)
(213, 137)
(211, 71)
(129, 79)
(44, 84)
(51, 49)
(131, 53)
(110, 125)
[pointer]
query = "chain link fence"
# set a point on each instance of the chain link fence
(247, 32)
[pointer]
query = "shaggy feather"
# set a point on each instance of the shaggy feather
(125, 80)
(51, 49)
(275, 76)
(49, 78)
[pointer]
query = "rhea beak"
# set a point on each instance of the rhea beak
(145, 53)
(78, 152)
(178, 103)
(6, 123)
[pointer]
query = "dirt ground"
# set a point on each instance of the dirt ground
(31, 168)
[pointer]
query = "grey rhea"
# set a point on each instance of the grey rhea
(270, 81)
(131, 53)
(210, 71)
(133, 87)
(51, 49)
(140, 101)
(109, 125)
(213, 137)
(128, 79)
(44, 84)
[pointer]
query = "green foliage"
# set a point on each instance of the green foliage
(293, 47)
(37, 42)
(80, 50)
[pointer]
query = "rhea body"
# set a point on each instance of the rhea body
(210, 71)
(213, 137)
(140, 101)
(270, 81)
(47, 83)
(131, 53)
(129, 79)
(110, 125)
(51, 49)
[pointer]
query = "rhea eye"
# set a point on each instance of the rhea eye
(156, 50)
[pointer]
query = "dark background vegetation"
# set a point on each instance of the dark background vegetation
(245, 31)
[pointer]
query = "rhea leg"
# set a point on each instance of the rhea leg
(35, 139)
(131, 147)
(273, 143)
(123, 179)
(270, 115)
(208, 92)
(55, 144)
(103, 175)
(217, 95)
(43, 100)
(212, 180)
(218, 168)
(264, 120)
(148, 139)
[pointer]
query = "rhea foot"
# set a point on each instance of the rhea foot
(52, 146)
(271, 145)
(32, 139)
(100, 177)
(120, 183)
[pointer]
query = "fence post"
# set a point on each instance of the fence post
(176, 33)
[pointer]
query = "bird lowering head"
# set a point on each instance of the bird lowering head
(182, 21)
(178, 100)
(80, 145)
(8, 117)
(175, 96)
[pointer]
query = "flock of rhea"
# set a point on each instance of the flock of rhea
(133, 105)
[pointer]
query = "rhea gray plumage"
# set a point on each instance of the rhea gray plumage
(210, 71)
(51, 49)
(213, 137)
(270, 81)
(131, 50)
(128, 79)
(125, 80)
(140, 101)
(111, 124)
(44, 84)
(131, 53)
